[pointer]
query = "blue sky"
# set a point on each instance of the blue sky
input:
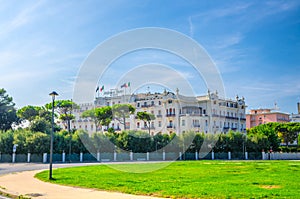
(255, 44)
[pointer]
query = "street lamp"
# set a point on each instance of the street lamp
(53, 94)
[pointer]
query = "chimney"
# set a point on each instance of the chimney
(298, 107)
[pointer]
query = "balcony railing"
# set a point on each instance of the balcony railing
(159, 115)
(170, 126)
(171, 115)
(147, 105)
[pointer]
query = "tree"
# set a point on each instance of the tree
(40, 125)
(147, 117)
(65, 108)
(288, 132)
(104, 115)
(29, 112)
(8, 114)
(6, 141)
(91, 114)
(121, 112)
(269, 130)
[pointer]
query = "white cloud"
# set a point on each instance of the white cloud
(21, 19)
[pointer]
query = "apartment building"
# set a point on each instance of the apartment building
(263, 116)
(173, 112)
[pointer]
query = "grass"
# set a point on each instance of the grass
(191, 179)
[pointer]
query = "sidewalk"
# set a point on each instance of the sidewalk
(25, 184)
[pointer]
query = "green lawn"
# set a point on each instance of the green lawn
(191, 179)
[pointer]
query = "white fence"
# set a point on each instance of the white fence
(280, 156)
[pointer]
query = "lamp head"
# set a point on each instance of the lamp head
(53, 94)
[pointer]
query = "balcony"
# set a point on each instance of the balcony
(171, 115)
(170, 126)
(196, 125)
(146, 128)
(230, 117)
(147, 105)
(159, 116)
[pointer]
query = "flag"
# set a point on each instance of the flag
(124, 85)
(128, 84)
(102, 88)
(97, 89)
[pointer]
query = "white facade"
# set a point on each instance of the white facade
(296, 117)
(173, 113)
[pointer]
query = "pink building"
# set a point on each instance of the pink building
(263, 116)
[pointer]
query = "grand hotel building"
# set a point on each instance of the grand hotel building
(173, 113)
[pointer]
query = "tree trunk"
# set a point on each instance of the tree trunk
(124, 122)
(70, 143)
(149, 127)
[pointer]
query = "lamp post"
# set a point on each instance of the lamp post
(52, 94)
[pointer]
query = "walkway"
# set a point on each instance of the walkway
(24, 183)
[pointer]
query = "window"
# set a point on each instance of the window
(145, 124)
(159, 112)
(159, 123)
(170, 101)
(204, 111)
(152, 112)
(152, 103)
(183, 122)
(138, 125)
(206, 123)
(152, 124)
(159, 102)
(138, 104)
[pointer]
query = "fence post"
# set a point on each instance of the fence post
(164, 155)
(81, 157)
(180, 156)
(246, 155)
(196, 155)
(63, 157)
(115, 156)
(28, 157)
(212, 155)
(263, 155)
(131, 156)
(13, 157)
(98, 156)
(229, 155)
(44, 157)
(147, 156)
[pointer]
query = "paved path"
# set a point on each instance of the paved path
(24, 183)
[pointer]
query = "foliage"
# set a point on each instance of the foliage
(91, 113)
(35, 141)
(189, 179)
(29, 112)
(273, 140)
(288, 132)
(147, 117)
(104, 115)
(8, 114)
(121, 112)
(6, 141)
(64, 108)
(40, 125)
